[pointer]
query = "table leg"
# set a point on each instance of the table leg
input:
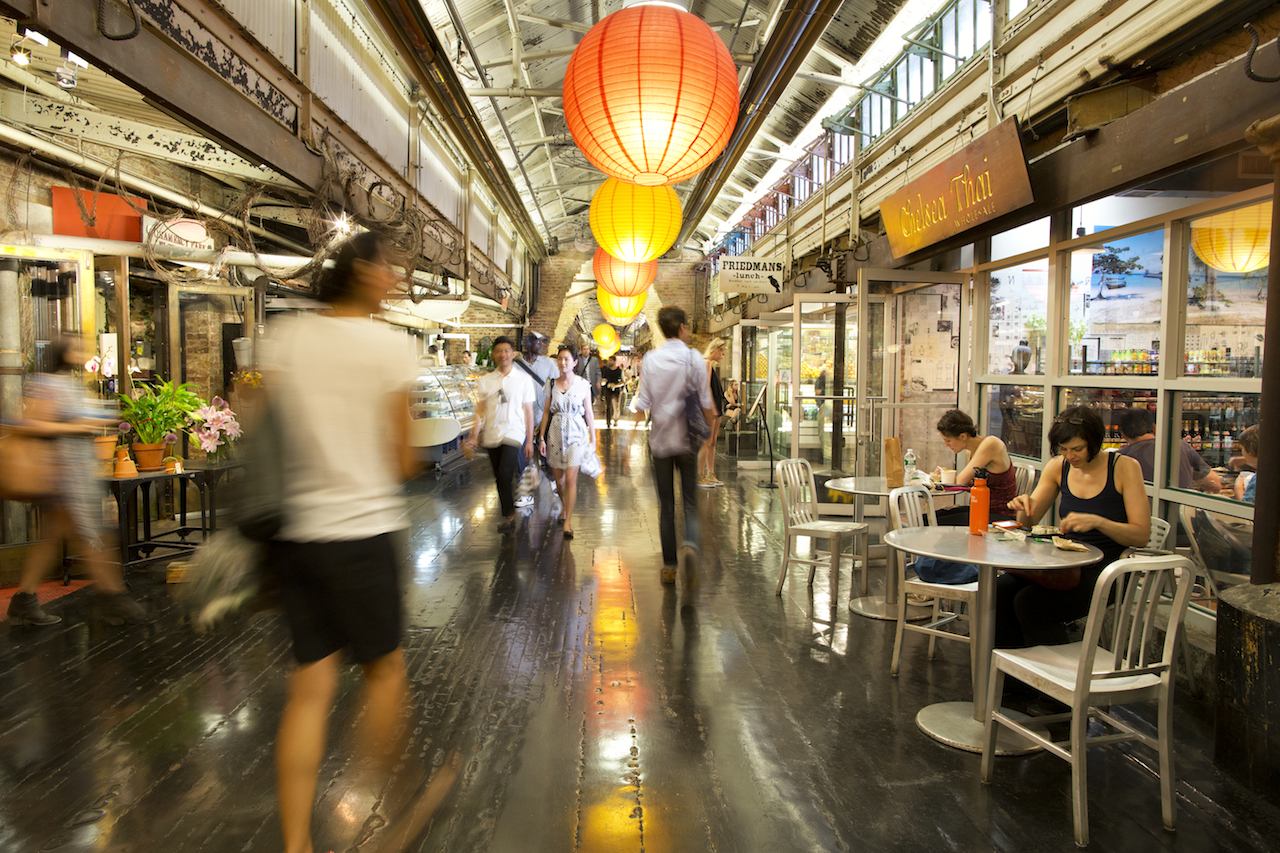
(145, 509)
(883, 607)
(963, 724)
(124, 500)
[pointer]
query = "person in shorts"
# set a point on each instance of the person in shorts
(341, 381)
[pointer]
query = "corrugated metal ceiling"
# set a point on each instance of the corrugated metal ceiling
(852, 32)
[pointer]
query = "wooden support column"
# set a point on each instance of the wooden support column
(1266, 538)
(119, 268)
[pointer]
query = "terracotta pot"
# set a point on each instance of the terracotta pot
(150, 456)
(104, 447)
(124, 465)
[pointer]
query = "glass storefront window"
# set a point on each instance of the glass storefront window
(1017, 319)
(1017, 241)
(1015, 413)
(1227, 292)
(1113, 404)
(1222, 430)
(1224, 543)
(1115, 306)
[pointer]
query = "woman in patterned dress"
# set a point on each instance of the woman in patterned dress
(568, 431)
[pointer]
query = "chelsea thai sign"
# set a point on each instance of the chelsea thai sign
(744, 274)
(985, 179)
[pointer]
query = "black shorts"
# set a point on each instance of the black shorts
(340, 595)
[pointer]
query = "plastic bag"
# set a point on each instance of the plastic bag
(590, 466)
(225, 576)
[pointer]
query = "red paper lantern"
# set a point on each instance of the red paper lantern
(621, 278)
(651, 95)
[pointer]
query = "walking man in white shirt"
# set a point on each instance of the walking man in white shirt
(672, 373)
(504, 424)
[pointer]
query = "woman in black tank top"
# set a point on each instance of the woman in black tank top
(1032, 609)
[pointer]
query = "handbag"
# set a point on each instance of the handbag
(694, 415)
(28, 467)
(257, 503)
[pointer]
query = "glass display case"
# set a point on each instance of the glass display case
(440, 397)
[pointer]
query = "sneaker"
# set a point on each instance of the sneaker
(117, 608)
(524, 501)
(669, 575)
(25, 609)
(715, 482)
(706, 484)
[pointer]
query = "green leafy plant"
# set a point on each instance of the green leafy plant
(159, 409)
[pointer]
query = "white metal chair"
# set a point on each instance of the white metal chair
(1025, 476)
(800, 511)
(1159, 539)
(1090, 673)
(1186, 515)
(912, 506)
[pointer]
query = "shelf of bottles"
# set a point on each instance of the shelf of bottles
(1125, 362)
(1222, 362)
(1210, 424)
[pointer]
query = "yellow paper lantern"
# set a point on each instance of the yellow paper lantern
(624, 308)
(612, 349)
(1238, 241)
(621, 278)
(604, 335)
(633, 223)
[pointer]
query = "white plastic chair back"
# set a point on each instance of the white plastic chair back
(1025, 477)
(1139, 584)
(1186, 515)
(911, 506)
(799, 496)
(1159, 539)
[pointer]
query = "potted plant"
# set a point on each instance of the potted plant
(156, 411)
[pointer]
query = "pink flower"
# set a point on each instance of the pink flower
(232, 428)
(217, 422)
(219, 403)
(209, 441)
(93, 364)
(204, 413)
(124, 427)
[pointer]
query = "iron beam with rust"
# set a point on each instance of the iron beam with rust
(174, 79)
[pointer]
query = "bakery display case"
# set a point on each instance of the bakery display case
(442, 405)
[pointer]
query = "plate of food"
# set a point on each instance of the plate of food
(1045, 530)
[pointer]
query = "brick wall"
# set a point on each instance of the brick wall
(561, 298)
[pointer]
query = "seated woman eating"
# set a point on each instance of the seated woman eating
(1101, 503)
(987, 451)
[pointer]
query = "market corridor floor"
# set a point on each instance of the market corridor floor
(593, 708)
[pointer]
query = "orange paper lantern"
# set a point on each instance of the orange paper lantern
(632, 223)
(651, 95)
(620, 310)
(1238, 241)
(621, 278)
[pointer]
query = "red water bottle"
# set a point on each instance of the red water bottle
(979, 503)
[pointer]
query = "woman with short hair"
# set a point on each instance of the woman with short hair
(707, 455)
(1101, 502)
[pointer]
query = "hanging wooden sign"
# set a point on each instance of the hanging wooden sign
(984, 180)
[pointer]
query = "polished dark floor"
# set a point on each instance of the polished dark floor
(594, 710)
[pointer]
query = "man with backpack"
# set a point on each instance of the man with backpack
(675, 391)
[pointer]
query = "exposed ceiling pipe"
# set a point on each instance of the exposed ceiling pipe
(799, 28)
(513, 92)
(407, 23)
(460, 28)
(28, 142)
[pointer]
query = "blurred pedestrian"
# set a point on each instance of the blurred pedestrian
(56, 410)
(612, 385)
(674, 380)
(567, 431)
(504, 424)
(337, 556)
(707, 454)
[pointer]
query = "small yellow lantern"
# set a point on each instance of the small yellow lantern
(604, 335)
(620, 310)
(1237, 241)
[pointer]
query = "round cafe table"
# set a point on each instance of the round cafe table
(963, 724)
(875, 607)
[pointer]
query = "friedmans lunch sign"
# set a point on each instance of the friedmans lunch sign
(985, 179)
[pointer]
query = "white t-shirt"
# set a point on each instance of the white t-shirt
(502, 402)
(333, 378)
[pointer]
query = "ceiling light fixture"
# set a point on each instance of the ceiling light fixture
(20, 55)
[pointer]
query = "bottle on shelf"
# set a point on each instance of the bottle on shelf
(1197, 443)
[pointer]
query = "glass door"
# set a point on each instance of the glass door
(822, 406)
(914, 352)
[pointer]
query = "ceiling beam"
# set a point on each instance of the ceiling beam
(513, 92)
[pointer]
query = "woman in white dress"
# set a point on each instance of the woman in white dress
(568, 431)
